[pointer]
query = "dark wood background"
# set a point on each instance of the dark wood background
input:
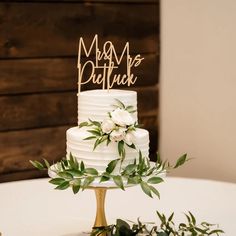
(38, 74)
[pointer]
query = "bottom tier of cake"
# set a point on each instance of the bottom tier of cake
(99, 158)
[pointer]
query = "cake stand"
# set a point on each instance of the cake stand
(100, 193)
(100, 189)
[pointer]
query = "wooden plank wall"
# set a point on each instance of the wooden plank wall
(38, 75)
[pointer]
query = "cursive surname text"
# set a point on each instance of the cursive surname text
(102, 70)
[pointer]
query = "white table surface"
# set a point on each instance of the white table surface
(34, 208)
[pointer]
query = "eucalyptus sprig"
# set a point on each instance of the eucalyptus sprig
(71, 173)
(96, 132)
(167, 227)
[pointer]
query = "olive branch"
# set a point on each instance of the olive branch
(167, 227)
(71, 173)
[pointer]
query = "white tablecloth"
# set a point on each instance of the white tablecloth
(34, 208)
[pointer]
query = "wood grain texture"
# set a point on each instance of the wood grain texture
(60, 74)
(37, 110)
(38, 75)
(94, 1)
(48, 29)
(43, 110)
(26, 145)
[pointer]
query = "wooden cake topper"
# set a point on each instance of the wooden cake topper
(101, 70)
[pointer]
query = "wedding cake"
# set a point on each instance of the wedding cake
(107, 130)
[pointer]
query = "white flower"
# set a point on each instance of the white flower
(129, 137)
(117, 135)
(107, 126)
(122, 117)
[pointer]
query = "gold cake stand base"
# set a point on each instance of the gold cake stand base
(100, 219)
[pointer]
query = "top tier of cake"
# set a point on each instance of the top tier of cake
(95, 104)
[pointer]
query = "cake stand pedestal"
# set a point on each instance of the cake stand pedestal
(100, 219)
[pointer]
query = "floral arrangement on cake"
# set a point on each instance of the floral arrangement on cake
(117, 128)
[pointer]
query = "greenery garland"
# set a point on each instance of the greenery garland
(167, 227)
(71, 173)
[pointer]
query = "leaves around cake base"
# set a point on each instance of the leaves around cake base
(74, 174)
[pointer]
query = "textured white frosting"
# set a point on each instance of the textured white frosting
(95, 104)
(82, 149)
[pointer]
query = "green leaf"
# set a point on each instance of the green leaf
(82, 166)
(87, 181)
(121, 223)
(73, 162)
(155, 191)
(108, 141)
(118, 181)
(133, 111)
(203, 231)
(104, 178)
(121, 149)
(155, 180)
(129, 108)
(181, 161)
(111, 166)
(131, 146)
(65, 175)
(129, 169)
(146, 188)
(104, 138)
(75, 188)
(76, 184)
(75, 173)
(216, 231)
(82, 124)
(37, 165)
(182, 225)
(171, 217)
(91, 171)
(120, 103)
(57, 181)
(161, 217)
(188, 218)
(97, 142)
(140, 156)
(94, 132)
(90, 137)
(192, 217)
(96, 123)
(159, 161)
(46, 163)
(65, 161)
(63, 185)
(134, 180)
